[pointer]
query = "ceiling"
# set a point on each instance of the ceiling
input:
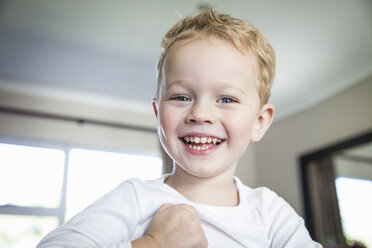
(109, 49)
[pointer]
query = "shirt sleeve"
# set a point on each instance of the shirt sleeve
(109, 222)
(285, 227)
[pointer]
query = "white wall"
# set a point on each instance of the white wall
(247, 167)
(338, 118)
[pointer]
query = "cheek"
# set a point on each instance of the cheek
(167, 121)
(242, 129)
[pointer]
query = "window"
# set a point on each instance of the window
(39, 186)
(31, 181)
(355, 206)
(106, 171)
(18, 231)
(21, 165)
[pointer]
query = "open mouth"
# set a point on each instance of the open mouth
(201, 143)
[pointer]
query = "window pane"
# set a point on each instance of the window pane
(24, 231)
(94, 173)
(30, 176)
(355, 202)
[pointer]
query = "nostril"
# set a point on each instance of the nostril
(200, 119)
(191, 120)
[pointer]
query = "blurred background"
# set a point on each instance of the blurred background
(76, 84)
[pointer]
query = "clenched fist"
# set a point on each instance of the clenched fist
(174, 226)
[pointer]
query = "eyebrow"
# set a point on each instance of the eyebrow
(221, 85)
(227, 86)
(176, 82)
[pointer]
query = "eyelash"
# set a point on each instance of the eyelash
(181, 98)
(187, 99)
(230, 100)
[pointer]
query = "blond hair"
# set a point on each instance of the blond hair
(244, 36)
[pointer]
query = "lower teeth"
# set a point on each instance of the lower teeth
(204, 147)
(199, 147)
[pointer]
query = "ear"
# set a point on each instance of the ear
(263, 122)
(155, 108)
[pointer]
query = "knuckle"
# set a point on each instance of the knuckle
(187, 207)
(165, 206)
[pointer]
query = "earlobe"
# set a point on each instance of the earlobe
(155, 108)
(263, 122)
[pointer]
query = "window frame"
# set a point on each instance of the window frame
(58, 212)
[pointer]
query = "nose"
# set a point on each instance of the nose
(201, 113)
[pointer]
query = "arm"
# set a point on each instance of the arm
(109, 222)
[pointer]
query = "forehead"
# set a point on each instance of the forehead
(209, 60)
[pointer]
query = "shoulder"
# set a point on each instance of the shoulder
(140, 185)
(284, 227)
(261, 197)
(127, 191)
(123, 198)
(272, 208)
(145, 192)
(121, 208)
(268, 198)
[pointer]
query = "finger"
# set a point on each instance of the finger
(186, 207)
(165, 206)
(205, 243)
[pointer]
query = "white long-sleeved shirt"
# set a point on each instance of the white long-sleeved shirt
(262, 219)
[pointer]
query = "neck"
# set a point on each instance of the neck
(218, 191)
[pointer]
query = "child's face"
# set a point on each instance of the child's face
(209, 108)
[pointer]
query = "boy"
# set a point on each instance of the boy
(214, 80)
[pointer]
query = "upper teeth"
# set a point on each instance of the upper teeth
(202, 140)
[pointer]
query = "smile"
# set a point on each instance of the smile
(201, 143)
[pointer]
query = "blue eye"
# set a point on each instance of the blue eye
(181, 98)
(226, 100)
